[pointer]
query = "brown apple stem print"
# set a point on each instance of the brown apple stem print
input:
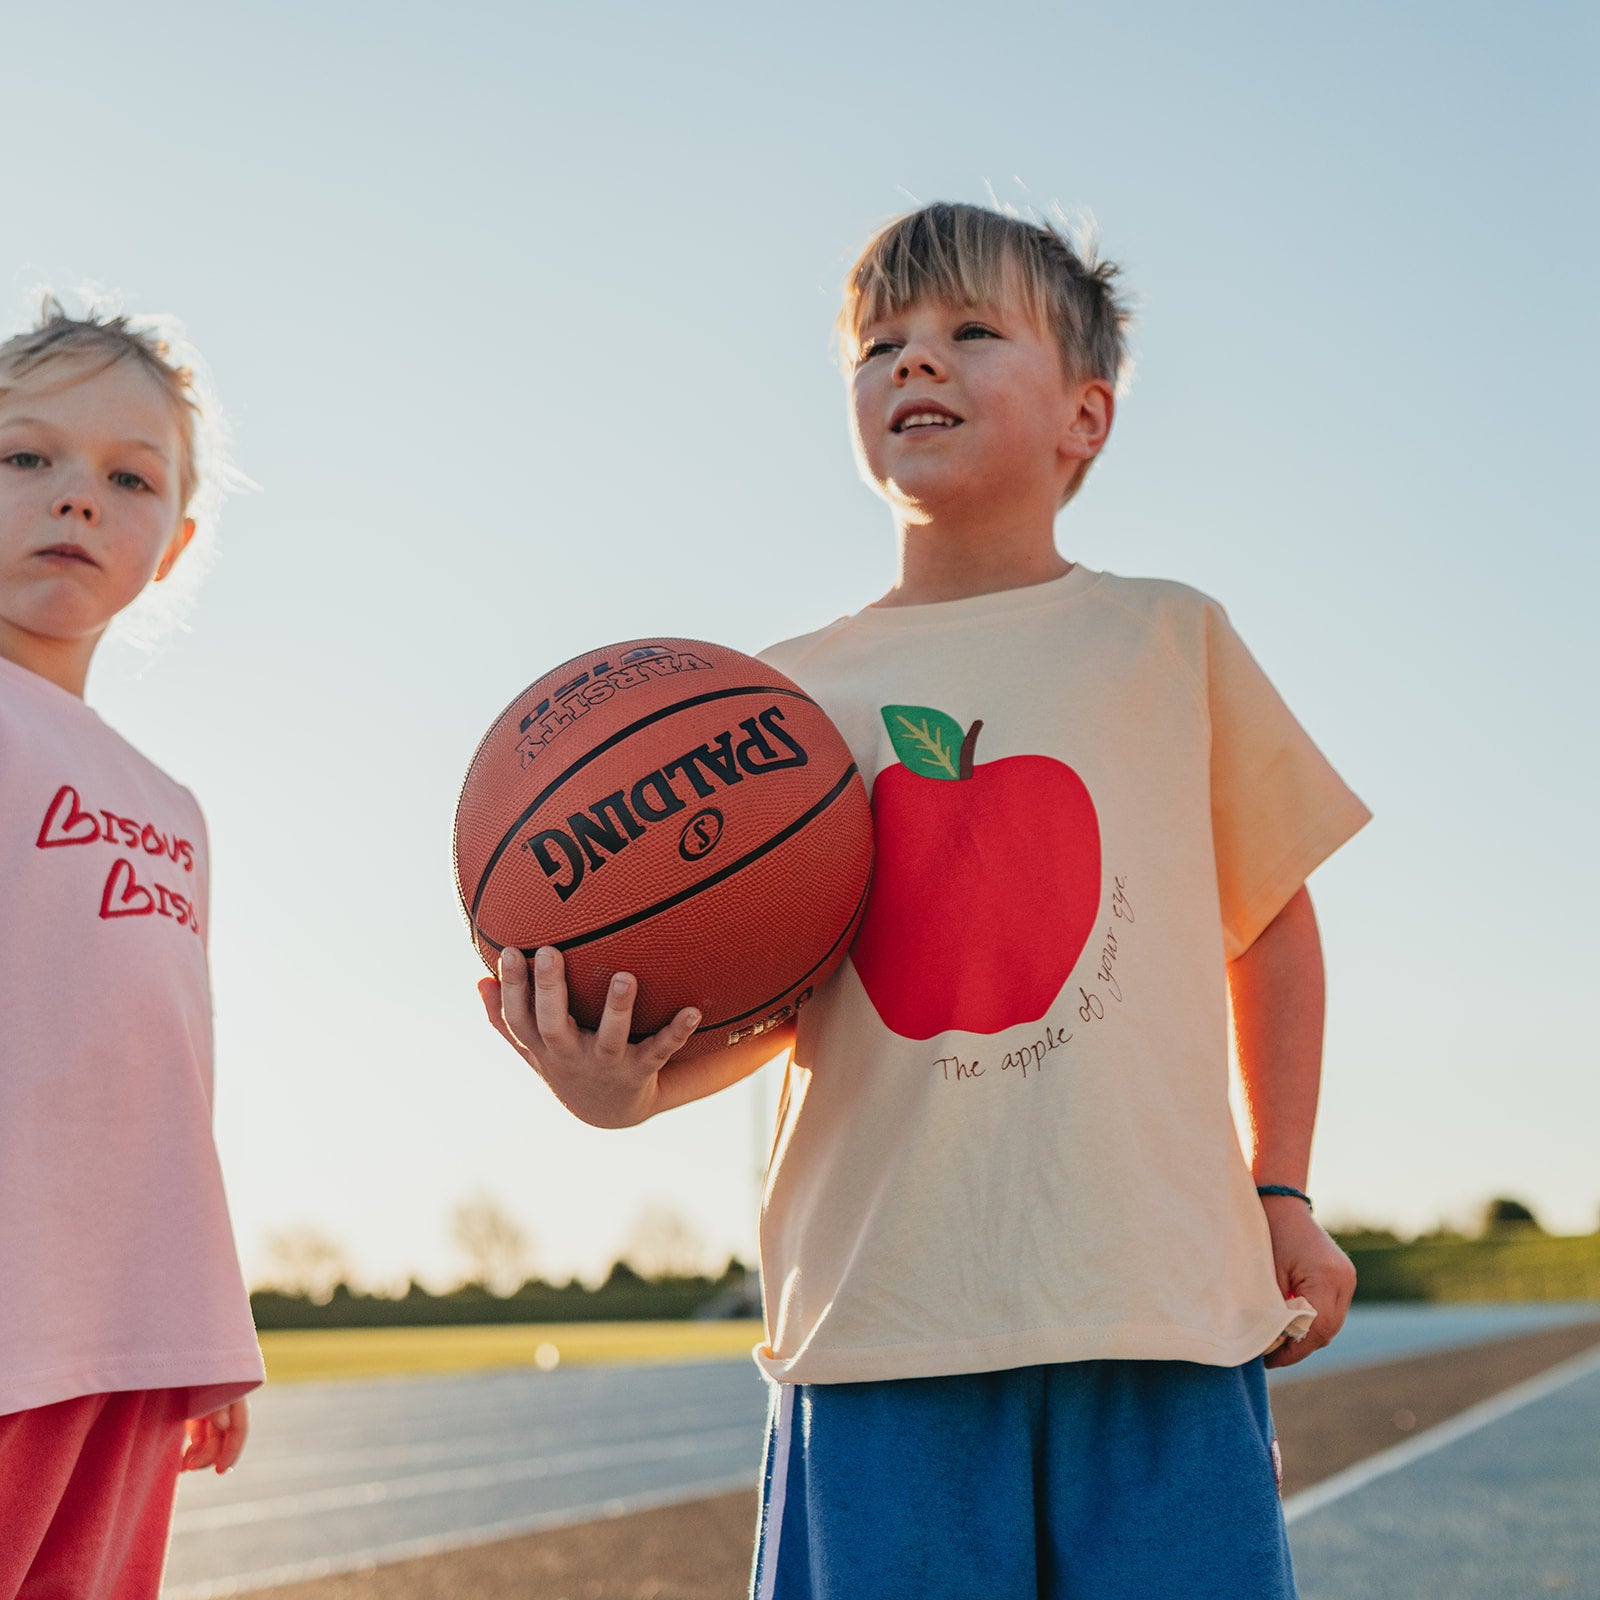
(923, 744)
(987, 881)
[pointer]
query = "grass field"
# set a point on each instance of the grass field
(305, 1354)
(1506, 1267)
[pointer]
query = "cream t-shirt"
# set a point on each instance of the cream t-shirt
(117, 1261)
(1005, 1135)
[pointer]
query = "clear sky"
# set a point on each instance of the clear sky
(521, 317)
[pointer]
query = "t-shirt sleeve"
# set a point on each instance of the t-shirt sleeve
(1278, 809)
(202, 870)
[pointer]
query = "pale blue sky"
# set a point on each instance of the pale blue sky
(521, 317)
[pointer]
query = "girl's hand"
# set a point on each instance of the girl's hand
(600, 1077)
(217, 1440)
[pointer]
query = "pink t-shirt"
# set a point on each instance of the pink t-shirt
(117, 1262)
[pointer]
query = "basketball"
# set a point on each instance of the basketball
(676, 810)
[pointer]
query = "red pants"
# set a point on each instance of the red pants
(86, 1491)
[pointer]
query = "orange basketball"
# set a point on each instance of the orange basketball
(676, 810)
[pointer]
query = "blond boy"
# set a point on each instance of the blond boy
(1020, 1280)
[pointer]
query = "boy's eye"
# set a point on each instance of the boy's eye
(28, 460)
(128, 480)
(976, 330)
(878, 347)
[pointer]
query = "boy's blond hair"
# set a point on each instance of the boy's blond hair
(102, 342)
(964, 253)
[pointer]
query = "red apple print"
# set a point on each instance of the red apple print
(986, 885)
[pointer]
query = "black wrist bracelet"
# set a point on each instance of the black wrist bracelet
(1283, 1188)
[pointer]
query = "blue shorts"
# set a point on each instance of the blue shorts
(1090, 1480)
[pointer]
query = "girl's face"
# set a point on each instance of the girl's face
(89, 511)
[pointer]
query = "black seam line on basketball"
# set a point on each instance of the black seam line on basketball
(728, 1022)
(683, 894)
(598, 751)
(720, 875)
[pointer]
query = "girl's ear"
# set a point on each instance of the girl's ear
(175, 548)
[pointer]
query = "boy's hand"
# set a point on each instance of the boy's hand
(600, 1077)
(1308, 1263)
(217, 1440)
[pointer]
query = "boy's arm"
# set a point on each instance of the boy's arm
(1277, 990)
(600, 1077)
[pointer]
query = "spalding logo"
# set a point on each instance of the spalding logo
(700, 833)
(756, 746)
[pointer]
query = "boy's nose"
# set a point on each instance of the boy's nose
(919, 358)
(76, 508)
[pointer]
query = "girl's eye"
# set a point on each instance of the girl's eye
(976, 330)
(128, 480)
(878, 347)
(28, 460)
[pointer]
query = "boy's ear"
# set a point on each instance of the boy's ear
(1089, 425)
(175, 548)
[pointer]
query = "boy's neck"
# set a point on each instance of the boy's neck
(943, 563)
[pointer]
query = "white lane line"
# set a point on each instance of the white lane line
(1438, 1438)
(456, 1480)
(297, 1461)
(357, 1560)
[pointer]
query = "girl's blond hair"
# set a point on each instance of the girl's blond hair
(967, 254)
(93, 343)
(101, 342)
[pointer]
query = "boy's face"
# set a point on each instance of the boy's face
(89, 512)
(958, 406)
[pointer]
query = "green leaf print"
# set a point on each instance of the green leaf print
(926, 741)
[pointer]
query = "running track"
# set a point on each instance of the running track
(338, 1475)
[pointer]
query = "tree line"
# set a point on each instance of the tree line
(1506, 1254)
(662, 1274)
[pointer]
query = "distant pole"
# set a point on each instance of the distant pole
(760, 1146)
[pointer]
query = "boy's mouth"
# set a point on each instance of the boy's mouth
(918, 416)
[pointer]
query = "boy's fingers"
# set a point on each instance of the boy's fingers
(517, 1005)
(672, 1038)
(489, 993)
(611, 1036)
(1293, 1350)
(550, 1017)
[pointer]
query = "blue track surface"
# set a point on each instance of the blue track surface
(337, 1475)
(1389, 1333)
(341, 1474)
(1509, 1511)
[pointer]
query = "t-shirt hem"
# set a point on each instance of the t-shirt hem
(208, 1375)
(1114, 1341)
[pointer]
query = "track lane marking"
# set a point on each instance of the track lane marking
(441, 1544)
(1481, 1415)
(515, 1441)
(455, 1480)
